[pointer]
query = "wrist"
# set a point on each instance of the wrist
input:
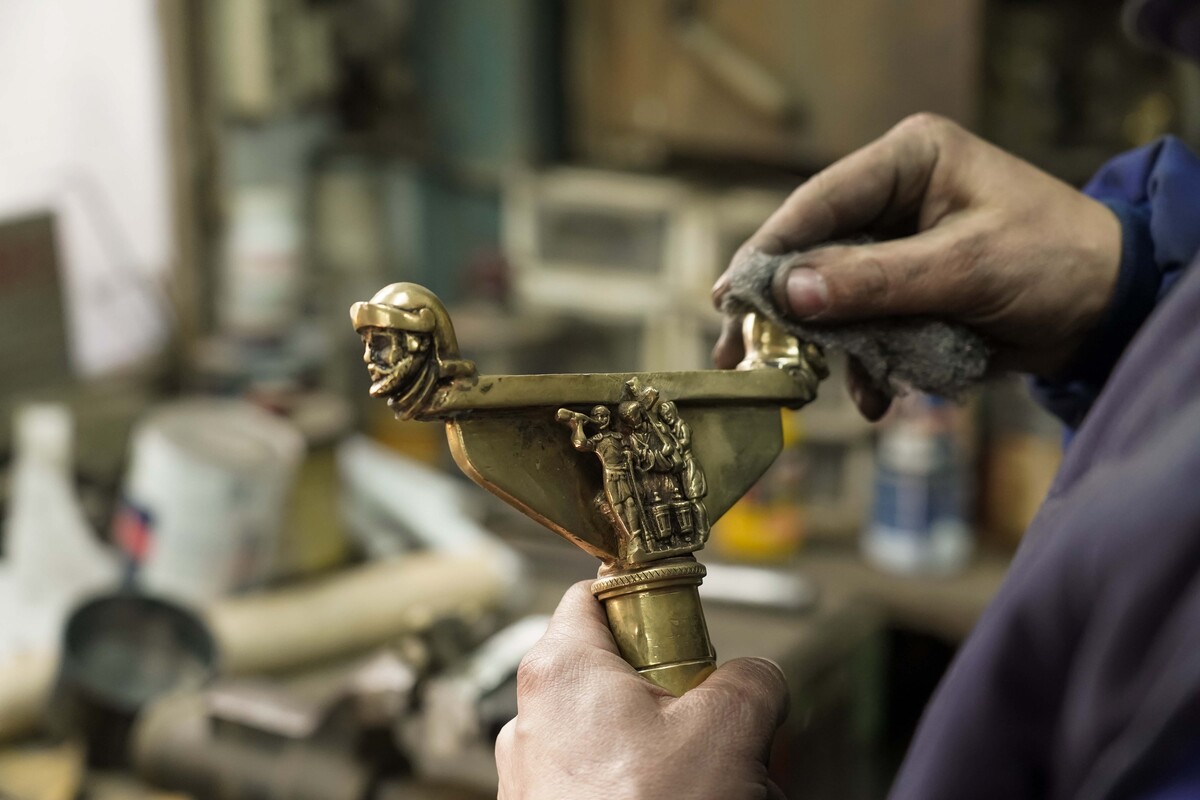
(1128, 300)
(1102, 243)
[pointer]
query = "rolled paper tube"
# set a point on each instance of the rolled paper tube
(273, 631)
(26, 682)
(352, 611)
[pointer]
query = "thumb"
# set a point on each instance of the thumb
(580, 620)
(914, 275)
(747, 698)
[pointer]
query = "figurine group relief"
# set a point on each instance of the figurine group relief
(654, 487)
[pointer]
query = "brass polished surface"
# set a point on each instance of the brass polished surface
(410, 348)
(653, 486)
(656, 618)
(768, 345)
(632, 468)
(716, 387)
(411, 354)
(525, 458)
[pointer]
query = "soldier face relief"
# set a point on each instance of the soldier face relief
(394, 359)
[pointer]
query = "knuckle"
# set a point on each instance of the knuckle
(771, 687)
(930, 135)
(767, 673)
(873, 285)
(742, 715)
(925, 124)
(536, 671)
(552, 663)
(762, 688)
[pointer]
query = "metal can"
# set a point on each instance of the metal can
(204, 496)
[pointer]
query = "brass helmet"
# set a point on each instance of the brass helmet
(412, 308)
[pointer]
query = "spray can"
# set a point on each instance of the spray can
(919, 522)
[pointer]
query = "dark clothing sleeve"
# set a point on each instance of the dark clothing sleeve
(1082, 677)
(1180, 779)
(1155, 193)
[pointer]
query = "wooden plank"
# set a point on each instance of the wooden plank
(855, 69)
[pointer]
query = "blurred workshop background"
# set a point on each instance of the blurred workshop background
(226, 573)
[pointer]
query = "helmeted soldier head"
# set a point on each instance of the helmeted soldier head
(601, 416)
(409, 345)
(631, 414)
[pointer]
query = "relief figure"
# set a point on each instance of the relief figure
(654, 487)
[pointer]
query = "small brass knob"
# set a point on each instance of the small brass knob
(769, 345)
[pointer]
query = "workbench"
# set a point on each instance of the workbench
(834, 656)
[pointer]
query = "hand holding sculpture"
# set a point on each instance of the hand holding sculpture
(589, 726)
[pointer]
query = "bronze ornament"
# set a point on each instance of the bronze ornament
(654, 486)
(633, 468)
(409, 346)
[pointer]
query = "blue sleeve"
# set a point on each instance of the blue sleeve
(1155, 193)
(1180, 780)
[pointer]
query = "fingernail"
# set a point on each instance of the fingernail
(807, 293)
(718, 290)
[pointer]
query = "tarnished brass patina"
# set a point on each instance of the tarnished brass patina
(633, 468)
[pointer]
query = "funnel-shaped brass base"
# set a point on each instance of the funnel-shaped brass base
(655, 615)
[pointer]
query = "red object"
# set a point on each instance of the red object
(133, 532)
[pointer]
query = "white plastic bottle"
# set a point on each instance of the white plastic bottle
(53, 556)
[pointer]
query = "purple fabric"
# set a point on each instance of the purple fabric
(1183, 779)
(1082, 679)
(1164, 178)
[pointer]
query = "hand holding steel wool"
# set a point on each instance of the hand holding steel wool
(976, 260)
(898, 353)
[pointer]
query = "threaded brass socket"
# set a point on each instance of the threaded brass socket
(655, 615)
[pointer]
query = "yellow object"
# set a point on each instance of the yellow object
(42, 772)
(416, 440)
(768, 524)
(312, 540)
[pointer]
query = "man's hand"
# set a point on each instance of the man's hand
(588, 726)
(969, 233)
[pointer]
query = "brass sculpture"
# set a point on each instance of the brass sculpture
(410, 347)
(631, 468)
(654, 488)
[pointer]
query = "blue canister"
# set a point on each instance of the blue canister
(918, 523)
